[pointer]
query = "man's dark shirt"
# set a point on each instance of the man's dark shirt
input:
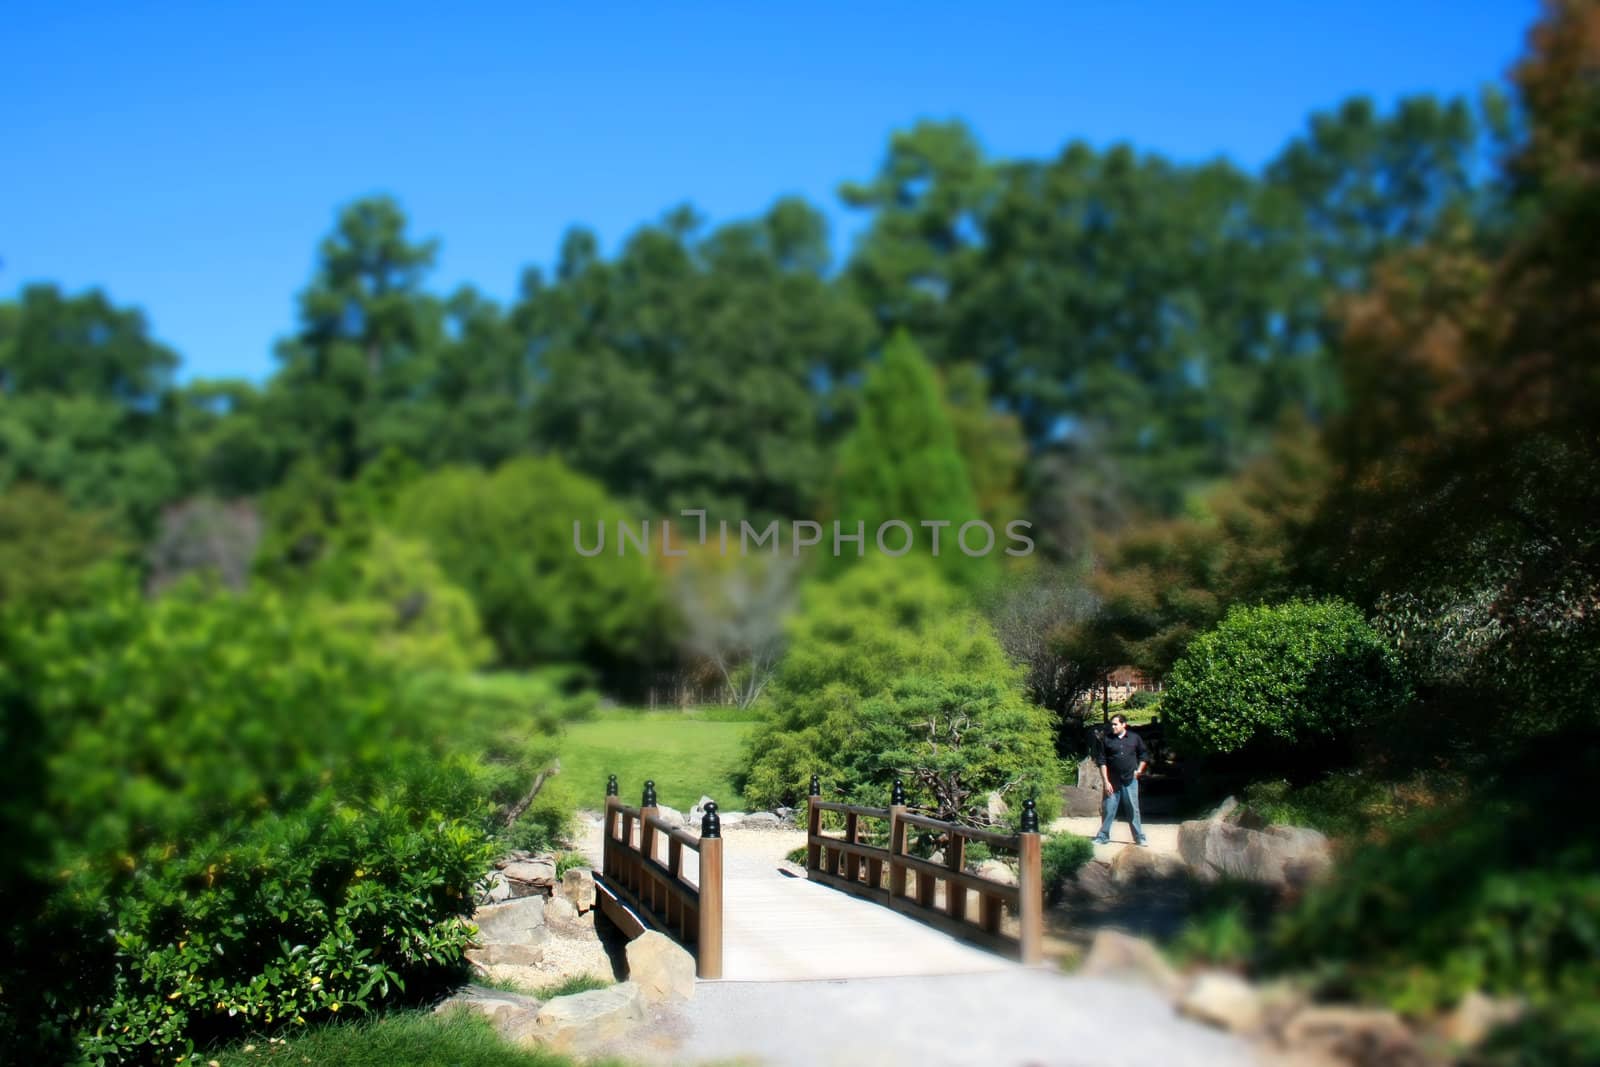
(1123, 756)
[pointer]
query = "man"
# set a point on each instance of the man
(1122, 758)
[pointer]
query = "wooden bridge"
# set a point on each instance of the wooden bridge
(868, 906)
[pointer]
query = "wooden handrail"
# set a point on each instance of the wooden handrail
(631, 866)
(842, 862)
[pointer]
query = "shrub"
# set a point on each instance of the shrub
(568, 861)
(1140, 699)
(225, 814)
(889, 674)
(1298, 679)
(1061, 855)
(1500, 891)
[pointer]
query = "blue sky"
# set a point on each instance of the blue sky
(188, 157)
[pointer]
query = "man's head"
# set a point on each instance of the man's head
(1119, 724)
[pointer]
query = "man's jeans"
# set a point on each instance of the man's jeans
(1127, 793)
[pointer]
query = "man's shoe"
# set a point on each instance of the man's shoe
(1102, 840)
(1143, 842)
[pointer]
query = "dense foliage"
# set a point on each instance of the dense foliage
(225, 813)
(889, 675)
(1299, 678)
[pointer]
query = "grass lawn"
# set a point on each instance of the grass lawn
(690, 754)
(399, 1039)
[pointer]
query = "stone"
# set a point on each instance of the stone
(1223, 1000)
(563, 918)
(1113, 954)
(1082, 803)
(1228, 806)
(761, 820)
(523, 954)
(1134, 864)
(672, 815)
(995, 809)
(514, 922)
(1279, 855)
(511, 1014)
(729, 819)
(528, 877)
(1476, 1017)
(496, 889)
(660, 967)
(785, 814)
(577, 886)
(587, 1019)
(997, 871)
(1362, 1036)
(1094, 881)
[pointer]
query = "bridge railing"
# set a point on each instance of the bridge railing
(660, 888)
(891, 876)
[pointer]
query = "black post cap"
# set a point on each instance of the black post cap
(816, 786)
(711, 822)
(899, 794)
(649, 794)
(1030, 817)
(611, 786)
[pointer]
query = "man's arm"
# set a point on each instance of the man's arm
(1100, 761)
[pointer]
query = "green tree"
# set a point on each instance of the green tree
(48, 550)
(1293, 682)
(507, 538)
(902, 461)
(883, 663)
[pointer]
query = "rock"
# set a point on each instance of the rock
(496, 889)
(515, 922)
(511, 1014)
(577, 886)
(587, 1019)
(1081, 803)
(660, 967)
(563, 918)
(1476, 1016)
(1117, 955)
(1094, 881)
(729, 819)
(995, 809)
(785, 814)
(1278, 855)
(528, 877)
(1228, 806)
(523, 954)
(1134, 864)
(1363, 1036)
(761, 820)
(1224, 1000)
(997, 871)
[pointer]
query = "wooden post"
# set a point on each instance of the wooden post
(813, 826)
(897, 841)
(647, 845)
(955, 896)
(708, 939)
(1030, 887)
(852, 862)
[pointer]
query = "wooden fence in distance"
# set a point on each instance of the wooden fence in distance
(883, 874)
(631, 866)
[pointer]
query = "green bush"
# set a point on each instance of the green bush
(1061, 855)
(1499, 891)
(507, 539)
(225, 814)
(1344, 804)
(889, 674)
(1296, 679)
(1140, 699)
(460, 1038)
(568, 861)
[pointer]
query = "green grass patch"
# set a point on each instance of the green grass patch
(400, 1039)
(690, 754)
(578, 983)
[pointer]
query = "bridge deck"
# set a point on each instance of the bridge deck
(777, 927)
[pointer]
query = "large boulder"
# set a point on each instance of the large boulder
(1224, 1000)
(511, 1014)
(530, 877)
(577, 886)
(514, 922)
(1367, 1037)
(528, 953)
(1093, 881)
(660, 967)
(1088, 795)
(761, 820)
(587, 1019)
(1134, 864)
(1279, 855)
(1117, 955)
(563, 918)
(997, 871)
(672, 815)
(1476, 1017)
